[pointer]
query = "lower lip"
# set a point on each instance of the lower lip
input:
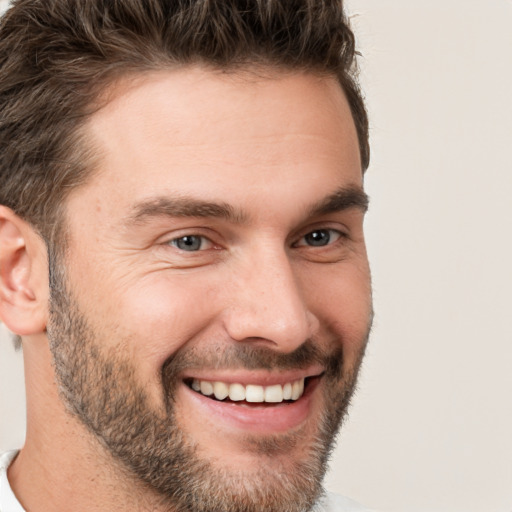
(264, 419)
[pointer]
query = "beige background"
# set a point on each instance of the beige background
(431, 425)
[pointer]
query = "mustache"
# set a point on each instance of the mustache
(250, 357)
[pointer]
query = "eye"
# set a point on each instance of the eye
(191, 243)
(319, 238)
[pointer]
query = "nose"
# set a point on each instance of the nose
(269, 305)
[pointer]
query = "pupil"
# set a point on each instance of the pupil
(318, 238)
(189, 243)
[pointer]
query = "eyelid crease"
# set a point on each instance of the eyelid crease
(184, 231)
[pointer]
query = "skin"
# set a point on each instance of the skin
(270, 149)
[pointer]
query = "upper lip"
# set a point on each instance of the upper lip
(255, 377)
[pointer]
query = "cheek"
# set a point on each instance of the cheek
(163, 315)
(341, 299)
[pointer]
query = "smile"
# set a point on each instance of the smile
(255, 402)
(250, 393)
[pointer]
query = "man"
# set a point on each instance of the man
(181, 250)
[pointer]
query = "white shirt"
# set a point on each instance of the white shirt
(9, 503)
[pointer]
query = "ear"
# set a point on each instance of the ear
(23, 276)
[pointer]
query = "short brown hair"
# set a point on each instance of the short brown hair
(57, 56)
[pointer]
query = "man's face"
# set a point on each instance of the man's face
(215, 303)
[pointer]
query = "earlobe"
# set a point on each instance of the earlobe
(23, 293)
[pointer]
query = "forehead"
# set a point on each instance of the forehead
(198, 131)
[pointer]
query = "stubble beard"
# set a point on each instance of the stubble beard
(100, 388)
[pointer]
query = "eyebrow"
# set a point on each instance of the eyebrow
(184, 207)
(345, 198)
(352, 197)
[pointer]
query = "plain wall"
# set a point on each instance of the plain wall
(431, 425)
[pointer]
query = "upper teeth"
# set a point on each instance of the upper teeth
(251, 392)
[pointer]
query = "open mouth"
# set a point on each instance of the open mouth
(251, 393)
